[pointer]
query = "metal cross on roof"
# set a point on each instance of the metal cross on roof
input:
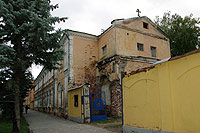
(138, 11)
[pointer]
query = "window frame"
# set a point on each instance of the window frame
(152, 50)
(145, 25)
(75, 100)
(113, 67)
(104, 49)
(140, 44)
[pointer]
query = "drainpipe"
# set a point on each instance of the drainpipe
(55, 91)
(122, 97)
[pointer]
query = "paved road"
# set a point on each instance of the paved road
(44, 123)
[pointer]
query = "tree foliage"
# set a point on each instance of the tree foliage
(27, 36)
(182, 32)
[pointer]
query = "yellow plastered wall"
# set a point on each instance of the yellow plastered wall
(108, 40)
(32, 99)
(72, 110)
(164, 98)
(126, 44)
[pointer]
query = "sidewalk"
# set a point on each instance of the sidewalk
(44, 123)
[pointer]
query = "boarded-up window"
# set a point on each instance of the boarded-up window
(75, 100)
(153, 51)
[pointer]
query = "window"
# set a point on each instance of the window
(114, 68)
(50, 100)
(75, 100)
(145, 25)
(82, 100)
(66, 57)
(104, 49)
(153, 51)
(60, 95)
(140, 47)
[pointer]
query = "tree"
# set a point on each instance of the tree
(27, 36)
(182, 32)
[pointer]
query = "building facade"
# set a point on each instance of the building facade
(127, 45)
(29, 100)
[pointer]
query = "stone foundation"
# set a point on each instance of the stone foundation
(129, 129)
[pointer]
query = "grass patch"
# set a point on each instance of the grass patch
(103, 122)
(114, 126)
(23, 125)
(6, 125)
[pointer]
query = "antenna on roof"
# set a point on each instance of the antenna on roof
(138, 11)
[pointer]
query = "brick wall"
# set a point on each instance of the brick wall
(116, 106)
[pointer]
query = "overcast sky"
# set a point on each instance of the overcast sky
(91, 16)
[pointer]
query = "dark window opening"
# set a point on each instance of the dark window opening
(75, 100)
(145, 25)
(82, 100)
(114, 68)
(104, 49)
(92, 95)
(61, 98)
(140, 47)
(153, 51)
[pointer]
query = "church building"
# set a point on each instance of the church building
(99, 60)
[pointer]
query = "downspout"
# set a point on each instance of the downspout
(122, 98)
(55, 91)
(83, 106)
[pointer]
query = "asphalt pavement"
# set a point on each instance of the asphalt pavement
(44, 123)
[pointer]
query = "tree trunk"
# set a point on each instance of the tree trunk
(16, 120)
(17, 73)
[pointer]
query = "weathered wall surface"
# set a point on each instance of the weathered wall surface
(138, 25)
(60, 108)
(107, 39)
(111, 84)
(134, 65)
(85, 56)
(164, 98)
(126, 44)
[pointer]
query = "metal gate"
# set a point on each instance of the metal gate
(98, 106)
(86, 104)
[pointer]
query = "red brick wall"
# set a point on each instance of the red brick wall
(116, 106)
